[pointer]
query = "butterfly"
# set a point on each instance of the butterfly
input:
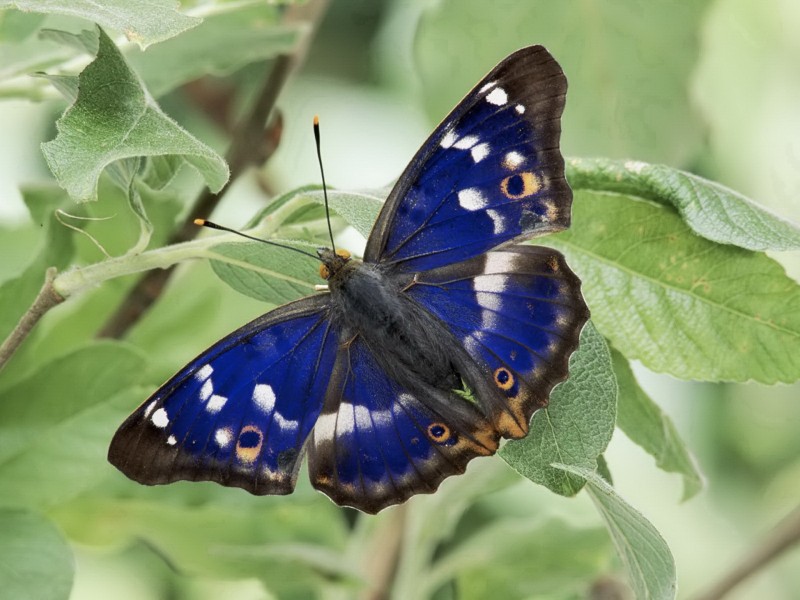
(445, 338)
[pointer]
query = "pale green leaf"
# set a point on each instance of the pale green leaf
(35, 560)
(142, 21)
(643, 551)
(647, 425)
(576, 426)
(114, 118)
(628, 68)
(223, 43)
(710, 209)
(677, 302)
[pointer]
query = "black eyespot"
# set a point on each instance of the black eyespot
(504, 379)
(249, 439)
(515, 185)
(438, 432)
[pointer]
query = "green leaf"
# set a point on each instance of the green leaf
(56, 424)
(222, 44)
(527, 559)
(643, 551)
(677, 302)
(647, 425)
(628, 69)
(17, 294)
(35, 561)
(712, 211)
(577, 425)
(142, 21)
(264, 272)
(114, 118)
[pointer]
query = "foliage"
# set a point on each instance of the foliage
(674, 269)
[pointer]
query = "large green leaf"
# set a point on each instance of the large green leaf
(677, 302)
(643, 551)
(647, 425)
(56, 424)
(35, 561)
(628, 68)
(577, 425)
(713, 211)
(142, 21)
(114, 118)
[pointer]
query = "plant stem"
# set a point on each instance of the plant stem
(785, 535)
(251, 144)
(384, 556)
(46, 299)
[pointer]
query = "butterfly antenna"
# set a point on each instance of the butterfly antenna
(212, 225)
(324, 187)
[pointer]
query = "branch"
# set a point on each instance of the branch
(46, 299)
(384, 556)
(785, 535)
(251, 144)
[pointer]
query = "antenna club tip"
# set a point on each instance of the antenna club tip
(316, 120)
(199, 222)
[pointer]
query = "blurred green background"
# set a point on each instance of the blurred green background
(711, 86)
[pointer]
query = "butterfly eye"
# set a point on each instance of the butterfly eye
(343, 253)
(438, 432)
(324, 271)
(504, 379)
(520, 185)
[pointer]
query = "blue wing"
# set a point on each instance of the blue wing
(519, 313)
(491, 173)
(377, 443)
(240, 413)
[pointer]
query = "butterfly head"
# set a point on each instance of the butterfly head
(332, 261)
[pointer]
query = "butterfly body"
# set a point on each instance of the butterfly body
(444, 339)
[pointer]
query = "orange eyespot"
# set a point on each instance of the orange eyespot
(504, 379)
(520, 185)
(324, 271)
(438, 432)
(248, 446)
(343, 253)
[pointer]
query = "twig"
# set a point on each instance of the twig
(383, 558)
(785, 535)
(46, 299)
(250, 145)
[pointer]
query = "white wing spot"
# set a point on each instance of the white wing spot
(215, 403)
(264, 397)
(171, 440)
(206, 390)
(204, 372)
(498, 220)
(223, 437)
(499, 262)
(520, 109)
(513, 159)
(472, 199)
(449, 139)
(466, 142)
(497, 96)
(325, 429)
(480, 152)
(487, 86)
(285, 424)
(346, 418)
(149, 409)
(160, 418)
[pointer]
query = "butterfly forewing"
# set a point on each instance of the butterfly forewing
(240, 413)
(491, 173)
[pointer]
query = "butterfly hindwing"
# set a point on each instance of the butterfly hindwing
(240, 413)
(518, 312)
(377, 443)
(489, 174)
